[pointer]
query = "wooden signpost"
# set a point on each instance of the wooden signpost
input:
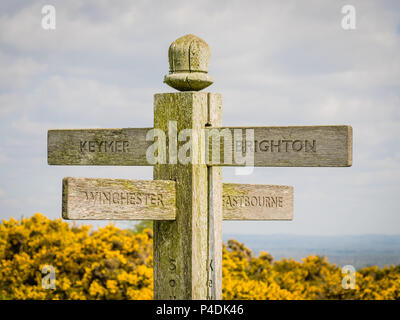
(187, 199)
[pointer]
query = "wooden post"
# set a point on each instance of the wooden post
(214, 262)
(180, 246)
(188, 251)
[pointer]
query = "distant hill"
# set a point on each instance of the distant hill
(359, 251)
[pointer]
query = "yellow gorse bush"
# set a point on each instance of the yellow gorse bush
(105, 264)
(110, 263)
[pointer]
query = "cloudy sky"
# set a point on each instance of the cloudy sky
(274, 62)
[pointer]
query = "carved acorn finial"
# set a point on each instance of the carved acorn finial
(188, 64)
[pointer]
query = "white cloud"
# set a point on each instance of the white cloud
(75, 101)
(276, 63)
(3, 159)
(16, 72)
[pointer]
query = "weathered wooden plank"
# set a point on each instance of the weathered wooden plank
(257, 202)
(117, 147)
(118, 199)
(293, 146)
(214, 261)
(180, 246)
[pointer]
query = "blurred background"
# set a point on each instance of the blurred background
(275, 63)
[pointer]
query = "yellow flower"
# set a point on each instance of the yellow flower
(110, 263)
(112, 286)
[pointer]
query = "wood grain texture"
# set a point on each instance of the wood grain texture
(257, 202)
(118, 199)
(214, 261)
(117, 147)
(180, 246)
(293, 146)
